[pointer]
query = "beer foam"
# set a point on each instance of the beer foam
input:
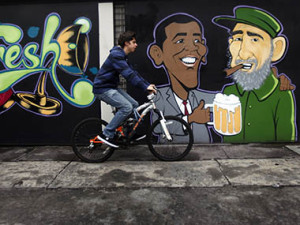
(229, 102)
(227, 99)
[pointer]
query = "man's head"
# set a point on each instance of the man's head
(255, 43)
(179, 46)
(127, 41)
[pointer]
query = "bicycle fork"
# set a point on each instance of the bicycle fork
(163, 124)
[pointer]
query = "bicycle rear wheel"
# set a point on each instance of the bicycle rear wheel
(81, 136)
(170, 150)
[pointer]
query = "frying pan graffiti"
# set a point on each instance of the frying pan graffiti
(69, 51)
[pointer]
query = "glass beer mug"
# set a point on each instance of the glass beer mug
(227, 114)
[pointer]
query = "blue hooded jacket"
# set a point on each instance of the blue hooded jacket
(115, 64)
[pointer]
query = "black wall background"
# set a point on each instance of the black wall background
(142, 16)
(22, 127)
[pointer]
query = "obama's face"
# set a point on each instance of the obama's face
(182, 52)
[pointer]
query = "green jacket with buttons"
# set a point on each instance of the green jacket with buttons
(268, 114)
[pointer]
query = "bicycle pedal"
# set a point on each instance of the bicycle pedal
(95, 140)
(140, 138)
(107, 150)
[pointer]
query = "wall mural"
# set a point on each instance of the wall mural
(179, 47)
(251, 109)
(69, 51)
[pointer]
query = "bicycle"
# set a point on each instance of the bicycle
(169, 138)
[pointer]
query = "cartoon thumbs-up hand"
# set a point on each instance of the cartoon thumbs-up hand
(200, 114)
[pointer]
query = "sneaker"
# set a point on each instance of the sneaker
(109, 141)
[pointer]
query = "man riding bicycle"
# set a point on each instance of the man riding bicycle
(106, 82)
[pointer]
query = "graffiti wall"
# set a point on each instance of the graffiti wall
(46, 71)
(228, 71)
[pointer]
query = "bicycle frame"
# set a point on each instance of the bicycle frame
(146, 107)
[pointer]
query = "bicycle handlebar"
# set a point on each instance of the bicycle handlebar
(151, 96)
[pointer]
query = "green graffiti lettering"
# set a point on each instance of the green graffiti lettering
(31, 63)
(9, 78)
(30, 54)
(49, 44)
(10, 33)
(2, 51)
(11, 55)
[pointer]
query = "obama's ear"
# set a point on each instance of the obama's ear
(280, 45)
(156, 54)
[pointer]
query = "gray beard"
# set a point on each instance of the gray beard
(254, 80)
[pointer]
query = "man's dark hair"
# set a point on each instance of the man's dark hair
(126, 37)
(159, 32)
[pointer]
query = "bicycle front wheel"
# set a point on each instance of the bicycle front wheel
(81, 136)
(173, 149)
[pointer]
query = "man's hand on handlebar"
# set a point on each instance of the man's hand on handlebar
(152, 88)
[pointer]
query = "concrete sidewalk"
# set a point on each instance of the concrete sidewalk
(214, 184)
(205, 166)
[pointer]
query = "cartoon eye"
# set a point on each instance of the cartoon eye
(179, 41)
(197, 41)
(255, 39)
(237, 39)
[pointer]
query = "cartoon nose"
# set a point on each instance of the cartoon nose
(244, 51)
(191, 46)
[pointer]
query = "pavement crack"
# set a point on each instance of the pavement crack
(225, 153)
(28, 151)
(220, 166)
(58, 174)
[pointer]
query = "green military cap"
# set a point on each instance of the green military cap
(251, 16)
